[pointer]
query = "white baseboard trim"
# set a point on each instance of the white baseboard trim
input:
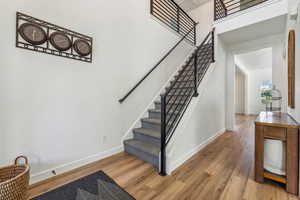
(35, 178)
(177, 163)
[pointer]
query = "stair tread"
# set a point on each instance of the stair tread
(147, 131)
(145, 147)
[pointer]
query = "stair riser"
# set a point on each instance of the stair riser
(157, 115)
(182, 86)
(152, 126)
(179, 98)
(158, 106)
(191, 78)
(154, 160)
(147, 138)
(181, 93)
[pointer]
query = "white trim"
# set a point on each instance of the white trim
(177, 163)
(73, 165)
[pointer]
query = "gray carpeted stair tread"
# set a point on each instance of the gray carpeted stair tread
(142, 146)
(148, 132)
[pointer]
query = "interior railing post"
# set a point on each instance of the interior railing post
(151, 7)
(195, 37)
(163, 137)
(178, 20)
(195, 74)
(213, 44)
(224, 6)
(215, 5)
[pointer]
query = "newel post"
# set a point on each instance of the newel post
(163, 137)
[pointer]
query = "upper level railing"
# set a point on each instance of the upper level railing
(172, 15)
(223, 8)
(178, 95)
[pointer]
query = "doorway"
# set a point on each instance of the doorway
(253, 76)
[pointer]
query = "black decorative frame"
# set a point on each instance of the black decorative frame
(47, 46)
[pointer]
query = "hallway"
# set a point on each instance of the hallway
(223, 170)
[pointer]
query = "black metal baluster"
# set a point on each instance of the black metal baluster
(195, 74)
(151, 7)
(195, 36)
(215, 10)
(178, 20)
(163, 137)
(213, 44)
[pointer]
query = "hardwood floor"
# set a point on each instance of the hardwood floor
(223, 170)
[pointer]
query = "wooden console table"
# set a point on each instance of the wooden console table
(278, 126)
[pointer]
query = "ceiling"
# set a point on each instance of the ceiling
(260, 59)
(189, 5)
(269, 27)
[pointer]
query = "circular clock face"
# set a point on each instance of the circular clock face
(82, 47)
(33, 34)
(60, 41)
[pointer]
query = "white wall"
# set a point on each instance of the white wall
(204, 16)
(292, 24)
(250, 16)
(295, 25)
(64, 113)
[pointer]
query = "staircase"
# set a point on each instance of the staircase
(150, 140)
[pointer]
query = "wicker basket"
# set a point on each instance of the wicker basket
(14, 181)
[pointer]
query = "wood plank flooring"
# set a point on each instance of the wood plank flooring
(223, 170)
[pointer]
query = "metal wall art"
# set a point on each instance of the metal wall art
(37, 35)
